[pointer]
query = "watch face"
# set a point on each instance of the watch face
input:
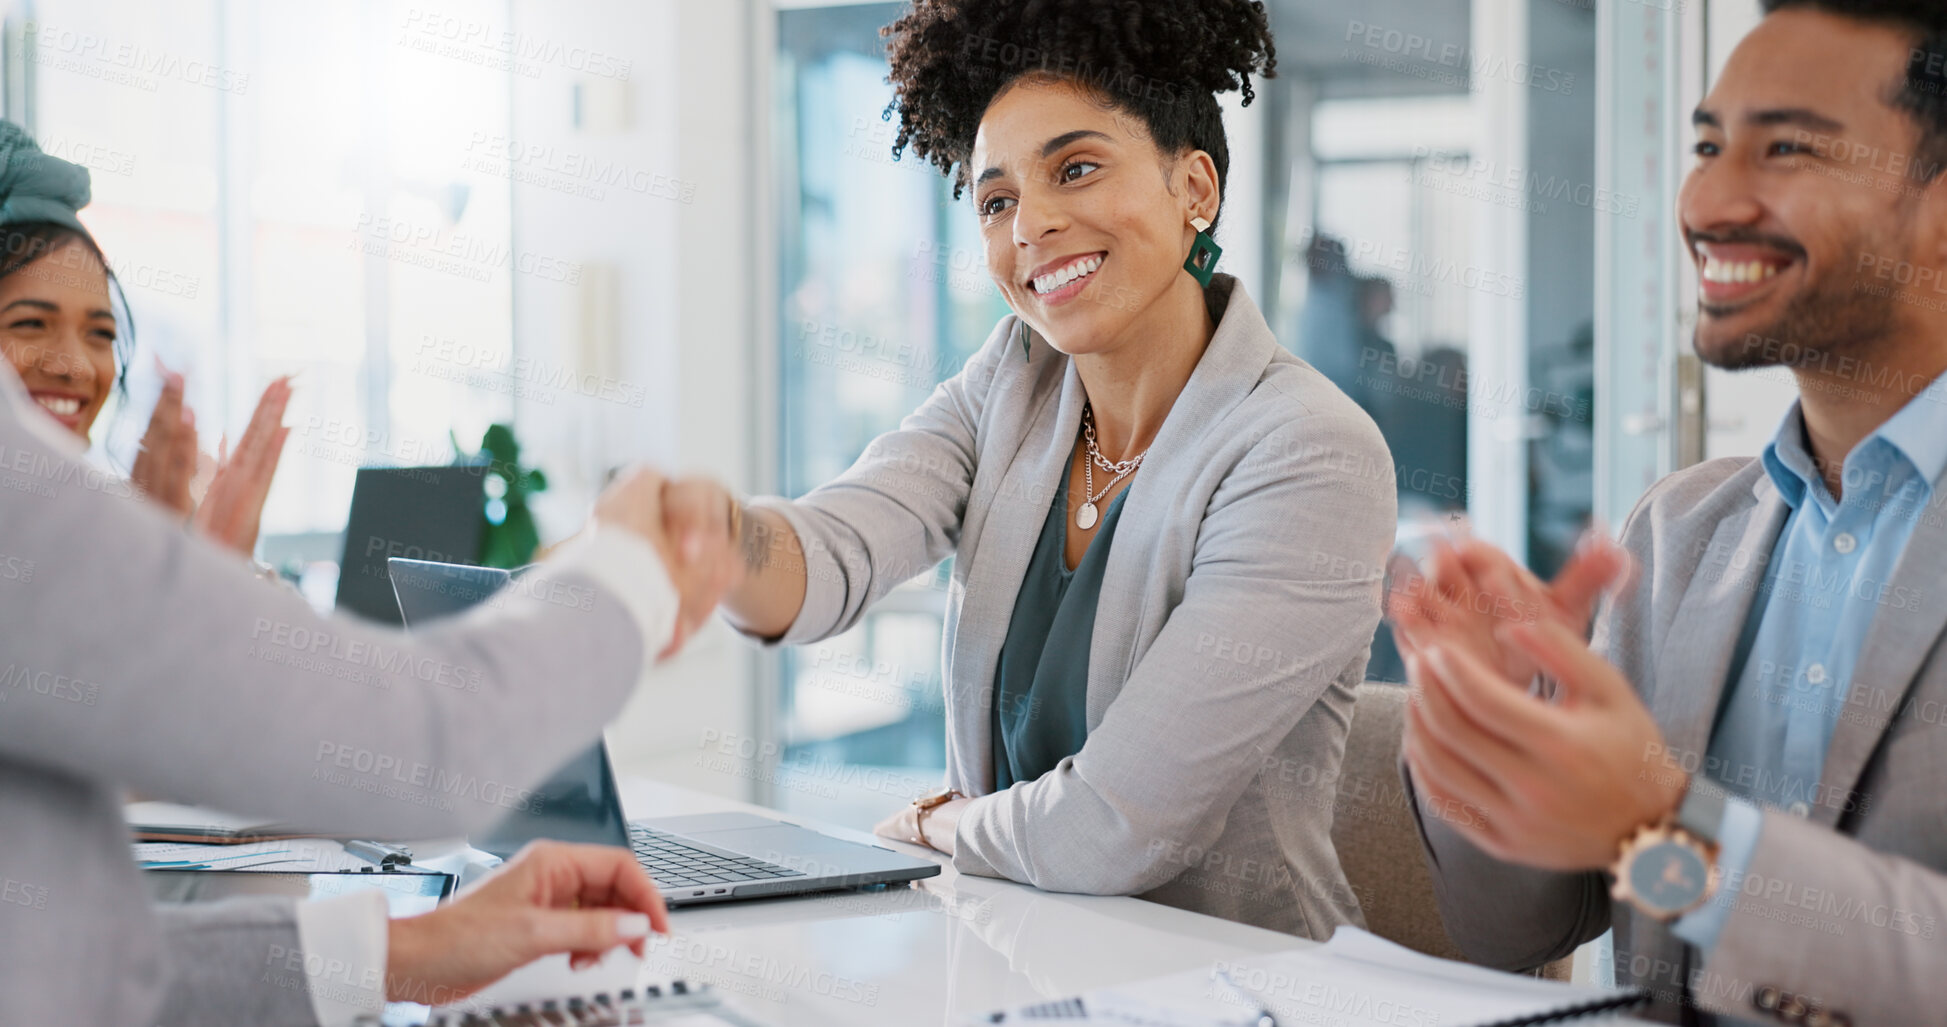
(1668, 877)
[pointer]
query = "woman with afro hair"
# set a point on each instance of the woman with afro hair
(1168, 532)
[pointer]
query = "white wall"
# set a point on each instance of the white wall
(665, 305)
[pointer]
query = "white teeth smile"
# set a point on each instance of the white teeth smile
(1742, 271)
(1064, 275)
(62, 406)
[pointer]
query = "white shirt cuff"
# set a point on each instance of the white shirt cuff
(628, 567)
(344, 945)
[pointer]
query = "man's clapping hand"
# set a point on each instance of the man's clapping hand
(1468, 590)
(1558, 777)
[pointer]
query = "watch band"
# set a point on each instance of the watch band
(1702, 810)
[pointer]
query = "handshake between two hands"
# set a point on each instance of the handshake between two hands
(695, 525)
(581, 899)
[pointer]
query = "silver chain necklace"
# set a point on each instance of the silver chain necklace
(1086, 517)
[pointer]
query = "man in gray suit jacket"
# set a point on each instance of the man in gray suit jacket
(1742, 774)
(138, 655)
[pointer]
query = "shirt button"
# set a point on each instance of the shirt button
(1800, 809)
(1815, 673)
(1845, 543)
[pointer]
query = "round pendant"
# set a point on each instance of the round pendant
(1085, 517)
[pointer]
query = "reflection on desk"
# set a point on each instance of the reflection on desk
(938, 951)
(935, 952)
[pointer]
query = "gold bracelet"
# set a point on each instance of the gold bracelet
(926, 804)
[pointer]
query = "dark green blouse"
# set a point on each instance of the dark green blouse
(1041, 685)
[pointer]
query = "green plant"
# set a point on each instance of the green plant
(509, 537)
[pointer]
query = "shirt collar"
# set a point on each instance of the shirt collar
(1919, 431)
(1787, 460)
(1916, 432)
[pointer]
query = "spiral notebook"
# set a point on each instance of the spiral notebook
(1354, 980)
(671, 1004)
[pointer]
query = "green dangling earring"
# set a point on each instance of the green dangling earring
(1204, 253)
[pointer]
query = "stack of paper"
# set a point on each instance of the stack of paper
(289, 856)
(1354, 980)
(170, 822)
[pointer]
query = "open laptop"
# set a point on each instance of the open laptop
(709, 857)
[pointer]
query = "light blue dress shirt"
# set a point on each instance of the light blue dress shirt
(1830, 572)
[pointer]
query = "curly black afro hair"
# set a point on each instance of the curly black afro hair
(1163, 61)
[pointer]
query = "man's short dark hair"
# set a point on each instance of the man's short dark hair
(1923, 92)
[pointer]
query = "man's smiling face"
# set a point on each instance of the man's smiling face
(1804, 191)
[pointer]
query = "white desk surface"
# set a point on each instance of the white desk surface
(936, 952)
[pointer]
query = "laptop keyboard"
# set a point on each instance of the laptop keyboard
(677, 863)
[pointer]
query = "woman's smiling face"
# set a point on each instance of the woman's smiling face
(1085, 223)
(58, 331)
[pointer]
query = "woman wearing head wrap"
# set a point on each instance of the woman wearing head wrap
(1167, 532)
(59, 331)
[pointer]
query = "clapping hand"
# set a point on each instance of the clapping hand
(169, 466)
(1560, 778)
(1559, 782)
(1469, 588)
(166, 463)
(233, 507)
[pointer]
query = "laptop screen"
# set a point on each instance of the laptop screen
(579, 802)
(427, 591)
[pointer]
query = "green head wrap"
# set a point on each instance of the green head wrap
(35, 187)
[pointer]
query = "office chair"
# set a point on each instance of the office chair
(1378, 843)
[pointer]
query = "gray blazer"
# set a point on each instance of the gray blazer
(1845, 907)
(136, 655)
(1237, 609)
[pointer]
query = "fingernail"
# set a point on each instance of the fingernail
(632, 925)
